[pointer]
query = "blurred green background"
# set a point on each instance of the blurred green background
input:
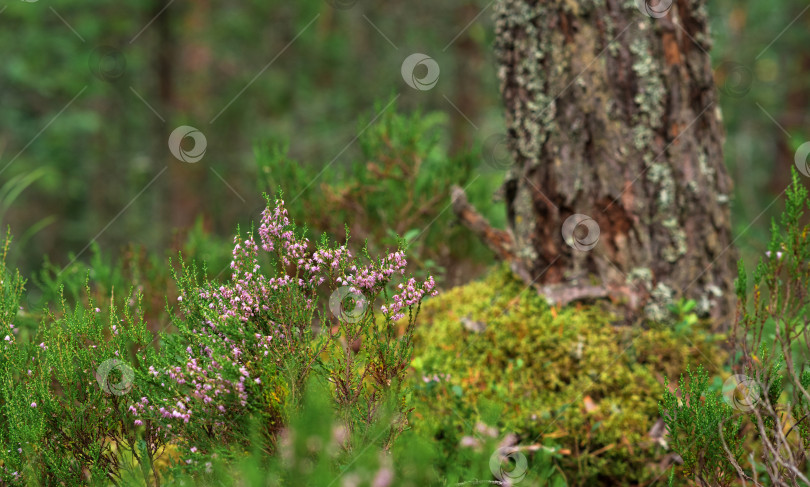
(308, 97)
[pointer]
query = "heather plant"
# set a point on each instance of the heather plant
(311, 452)
(93, 398)
(13, 431)
(767, 400)
(703, 429)
(64, 391)
(244, 349)
(84, 365)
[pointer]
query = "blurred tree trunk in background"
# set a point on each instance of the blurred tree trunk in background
(163, 66)
(612, 114)
(188, 87)
(793, 119)
(469, 60)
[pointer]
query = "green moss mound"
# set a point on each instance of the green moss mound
(494, 356)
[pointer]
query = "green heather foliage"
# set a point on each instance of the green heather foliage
(494, 359)
(760, 433)
(311, 452)
(702, 428)
(63, 423)
(94, 398)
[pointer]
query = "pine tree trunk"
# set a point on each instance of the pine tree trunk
(613, 114)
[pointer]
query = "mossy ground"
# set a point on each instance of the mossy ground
(495, 353)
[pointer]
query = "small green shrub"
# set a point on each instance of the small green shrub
(702, 428)
(62, 394)
(767, 402)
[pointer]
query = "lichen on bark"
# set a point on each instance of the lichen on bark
(612, 114)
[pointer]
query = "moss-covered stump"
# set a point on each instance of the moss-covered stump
(493, 358)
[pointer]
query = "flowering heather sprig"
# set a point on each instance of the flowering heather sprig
(277, 231)
(258, 321)
(410, 295)
(251, 293)
(373, 278)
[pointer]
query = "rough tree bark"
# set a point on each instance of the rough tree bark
(612, 114)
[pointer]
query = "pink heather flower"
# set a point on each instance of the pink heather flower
(469, 442)
(33, 404)
(250, 298)
(138, 422)
(98, 310)
(384, 478)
